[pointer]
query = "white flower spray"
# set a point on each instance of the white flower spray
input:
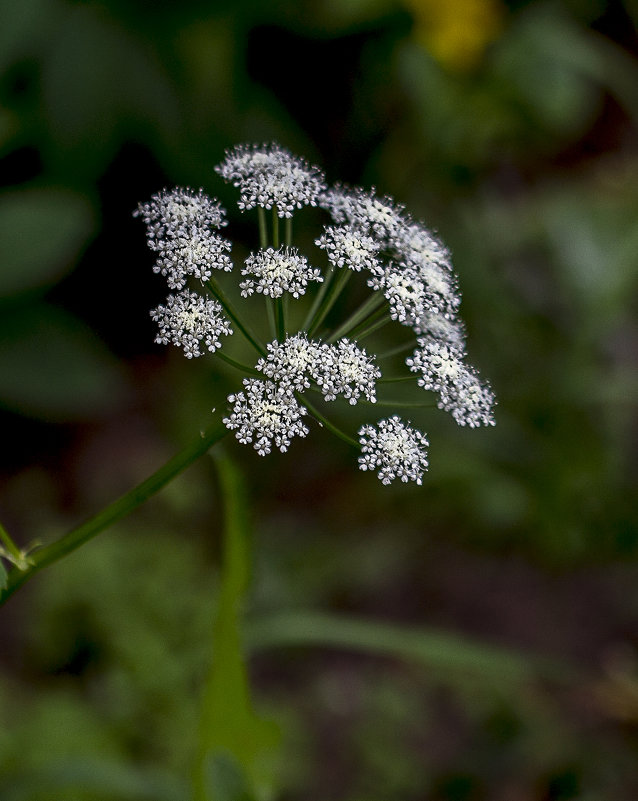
(408, 270)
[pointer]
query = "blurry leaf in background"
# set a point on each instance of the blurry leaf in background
(52, 366)
(457, 32)
(100, 85)
(42, 233)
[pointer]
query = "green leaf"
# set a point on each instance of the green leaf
(3, 576)
(103, 779)
(226, 781)
(52, 366)
(42, 232)
(439, 651)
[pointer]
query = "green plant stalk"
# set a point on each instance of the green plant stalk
(374, 323)
(270, 312)
(275, 228)
(288, 232)
(263, 229)
(399, 404)
(237, 365)
(17, 556)
(406, 346)
(116, 510)
(397, 379)
(370, 305)
(318, 299)
(280, 316)
(218, 293)
(228, 726)
(322, 420)
(334, 290)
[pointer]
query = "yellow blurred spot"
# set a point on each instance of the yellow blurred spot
(457, 32)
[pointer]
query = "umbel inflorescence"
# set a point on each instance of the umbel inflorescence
(404, 273)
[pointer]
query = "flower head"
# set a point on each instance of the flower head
(347, 247)
(394, 449)
(273, 272)
(270, 176)
(444, 327)
(197, 252)
(265, 413)
(188, 320)
(294, 362)
(346, 369)
(364, 211)
(461, 392)
(174, 212)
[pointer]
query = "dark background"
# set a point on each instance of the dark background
(508, 127)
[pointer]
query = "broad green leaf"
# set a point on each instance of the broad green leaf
(42, 232)
(52, 366)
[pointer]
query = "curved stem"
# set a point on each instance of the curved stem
(116, 510)
(12, 550)
(319, 417)
(218, 293)
(237, 365)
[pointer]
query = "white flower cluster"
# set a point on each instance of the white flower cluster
(346, 247)
(372, 235)
(197, 254)
(276, 272)
(461, 392)
(342, 369)
(364, 211)
(174, 212)
(270, 176)
(178, 229)
(265, 413)
(395, 449)
(188, 320)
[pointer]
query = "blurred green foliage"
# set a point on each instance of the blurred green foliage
(525, 160)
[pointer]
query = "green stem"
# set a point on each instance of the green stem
(406, 346)
(275, 228)
(325, 422)
(218, 293)
(116, 510)
(238, 365)
(395, 379)
(270, 312)
(334, 290)
(280, 318)
(318, 299)
(398, 404)
(263, 229)
(228, 727)
(12, 549)
(288, 232)
(374, 323)
(365, 309)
